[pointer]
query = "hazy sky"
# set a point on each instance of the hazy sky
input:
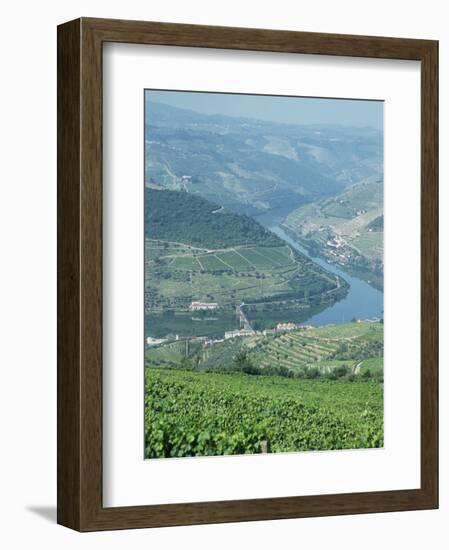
(295, 110)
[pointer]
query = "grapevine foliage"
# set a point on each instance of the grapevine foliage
(206, 414)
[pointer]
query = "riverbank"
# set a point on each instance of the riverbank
(362, 301)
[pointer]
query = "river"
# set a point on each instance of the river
(362, 301)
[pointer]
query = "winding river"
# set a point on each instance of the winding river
(362, 301)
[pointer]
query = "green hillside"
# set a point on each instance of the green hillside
(188, 218)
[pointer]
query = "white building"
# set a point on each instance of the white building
(195, 306)
(155, 341)
(286, 326)
(236, 333)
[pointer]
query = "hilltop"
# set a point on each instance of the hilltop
(188, 218)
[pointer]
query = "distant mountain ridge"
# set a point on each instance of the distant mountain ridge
(253, 166)
(163, 112)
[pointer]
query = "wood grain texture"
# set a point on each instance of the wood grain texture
(429, 271)
(69, 407)
(80, 274)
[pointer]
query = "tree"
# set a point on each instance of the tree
(343, 347)
(312, 372)
(340, 371)
(244, 364)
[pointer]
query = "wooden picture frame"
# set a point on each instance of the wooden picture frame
(80, 351)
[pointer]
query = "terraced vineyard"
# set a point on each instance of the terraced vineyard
(351, 349)
(322, 348)
(296, 351)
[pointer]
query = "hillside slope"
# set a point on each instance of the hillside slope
(331, 351)
(253, 166)
(188, 218)
(346, 229)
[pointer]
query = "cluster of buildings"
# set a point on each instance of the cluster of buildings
(336, 242)
(207, 341)
(285, 327)
(338, 250)
(280, 327)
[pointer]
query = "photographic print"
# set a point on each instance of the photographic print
(263, 220)
(221, 274)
